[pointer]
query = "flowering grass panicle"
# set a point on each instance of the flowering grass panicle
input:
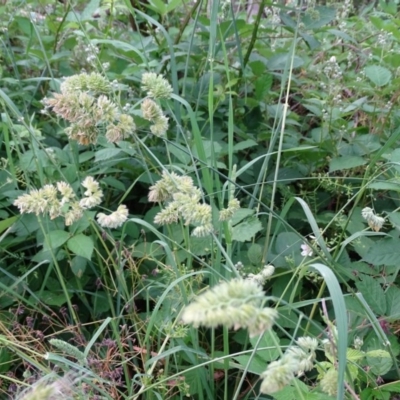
(84, 102)
(295, 361)
(267, 271)
(93, 194)
(65, 388)
(156, 86)
(278, 375)
(60, 200)
(151, 111)
(234, 304)
(183, 202)
(115, 219)
(374, 221)
(227, 213)
(329, 382)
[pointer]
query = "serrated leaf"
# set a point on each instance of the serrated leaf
(255, 254)
(379, 361)
(378, 75)
(355, 355)
(346, 162)
(55, 239)
(246, 230)
(383, 252)
(81, 245)
(393, 302)
(373, 294)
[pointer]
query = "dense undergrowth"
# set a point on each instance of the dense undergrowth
(199, 200)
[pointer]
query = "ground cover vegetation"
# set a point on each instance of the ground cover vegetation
(199, 200)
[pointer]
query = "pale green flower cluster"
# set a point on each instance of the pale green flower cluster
(156, 87)
(329, 382)
(151, 111)
(61, 388)
(374, 221)
(295, 361)
(83, 102)
(227, 213)
(182, 202)
(115, 219)
(267, 271)
(60, 200)
(234, 304)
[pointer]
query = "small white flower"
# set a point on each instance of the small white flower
(307, 250)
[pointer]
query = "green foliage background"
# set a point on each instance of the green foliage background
(292, 110)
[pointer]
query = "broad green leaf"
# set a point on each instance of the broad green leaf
(50, 298)
(384, 185)
(393, 302)
(81, 245)
(78, 266)
(346, 162)
(6, 223)
(106, 154)
(379, 361)
(384, 252)
(244, 145)
(378, 75)
(55, 239)
(254, 363)
(288, 243)
(283, 61)
(373, 294)
(267, 349)
(355, 355)
(262, 86)
(246, 230)
(326, 15)
(89, 10)
(241, 214)
(255, 254)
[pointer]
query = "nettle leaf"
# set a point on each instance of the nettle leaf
(383, 252)
(373, 294)
(81, 245)
(346, 162)
(378, 75)
(246, 230)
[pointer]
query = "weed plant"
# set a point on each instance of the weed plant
(199, 199)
